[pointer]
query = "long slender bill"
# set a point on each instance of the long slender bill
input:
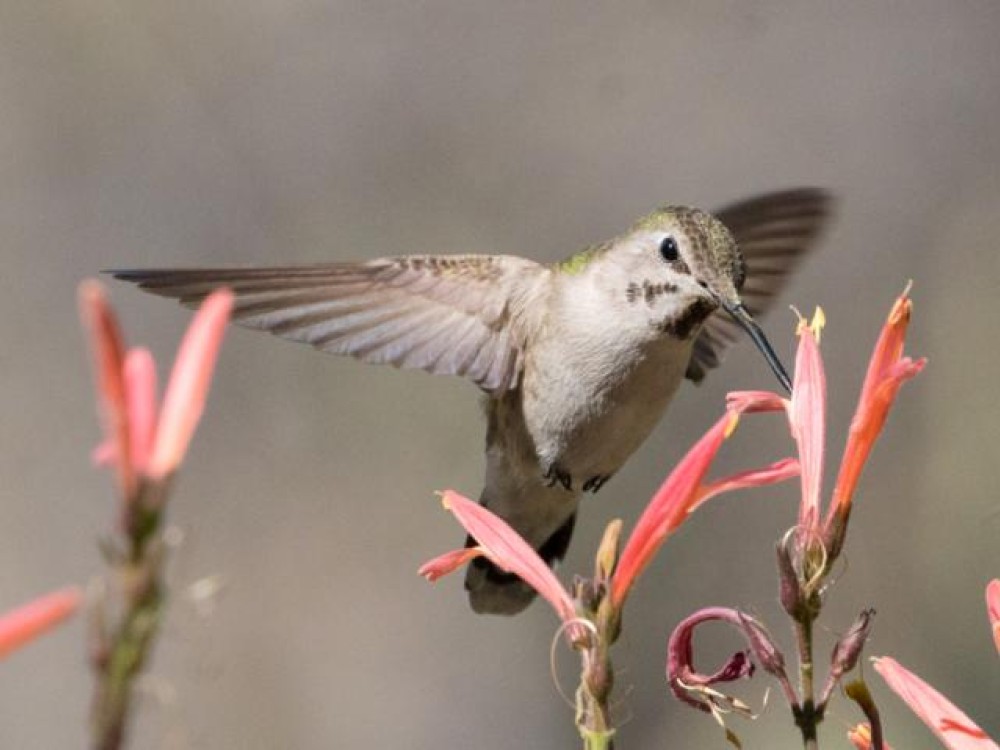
(742, 316)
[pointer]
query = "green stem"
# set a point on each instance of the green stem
(123, 653)
(807, 717)
(596, 683)
(130, 649)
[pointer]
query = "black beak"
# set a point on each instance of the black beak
(748, 324)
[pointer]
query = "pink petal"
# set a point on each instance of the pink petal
(184, 400)
(506, 548)
(449, 562)
(669, 506)
(807, 416)
(956, 730)
(31, 620)
(751, 401)
(887, 371)
(889, 347)
(140, 391)
(108, 352)
(993, 608)
(779, 471)
(104, 454)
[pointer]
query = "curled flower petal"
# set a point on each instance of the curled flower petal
(506, 548)
(686, 683)
(887, 371)
(993, 608)
(31, 620)
(184, 399)
(449, 562)
(108, 351)
(669, 506)
(956, 730)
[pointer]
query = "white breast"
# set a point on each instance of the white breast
(599, 383)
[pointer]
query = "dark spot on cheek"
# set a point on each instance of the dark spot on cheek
(647, 291)
(683, 325)
(632, 292)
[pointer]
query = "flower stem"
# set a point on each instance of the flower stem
(807, 717)
(596, 684)
(128, 653)
(121, 655)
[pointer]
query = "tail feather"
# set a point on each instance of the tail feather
(496, 592)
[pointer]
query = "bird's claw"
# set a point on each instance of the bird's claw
(556, 474)
(595, 483)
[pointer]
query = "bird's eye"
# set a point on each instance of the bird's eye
(668, 249)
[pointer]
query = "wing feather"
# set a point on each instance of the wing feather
(461, 315)
(774, 233)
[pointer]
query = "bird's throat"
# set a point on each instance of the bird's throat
(685, 323)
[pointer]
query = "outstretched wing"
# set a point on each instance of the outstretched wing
(774, 232)
(454, 315)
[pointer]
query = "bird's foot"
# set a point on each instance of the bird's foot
(595, 483)
(557, 474)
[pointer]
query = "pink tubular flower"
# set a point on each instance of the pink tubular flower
(140, 391)
(31, 620)
(806, 412)
(505, 548)
(993, 608)
(888, 369)
(956, 730)
(184, 400)
(678, 496)
(681, 493)
(109, 361)
(140, 442)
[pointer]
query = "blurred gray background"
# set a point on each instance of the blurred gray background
(186, 133)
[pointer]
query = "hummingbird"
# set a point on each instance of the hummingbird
(577, 360)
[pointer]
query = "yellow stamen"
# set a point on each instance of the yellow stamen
(734, 420)
(818, 322)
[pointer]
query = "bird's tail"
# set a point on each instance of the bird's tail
(493, 591)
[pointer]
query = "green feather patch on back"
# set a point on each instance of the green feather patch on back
(575, 264)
